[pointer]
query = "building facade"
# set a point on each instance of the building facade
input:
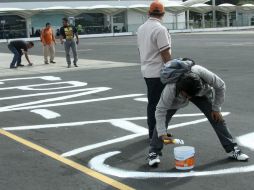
(26, 18)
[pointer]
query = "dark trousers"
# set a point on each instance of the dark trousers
(205, 105)
(154, 90)
(17, 56)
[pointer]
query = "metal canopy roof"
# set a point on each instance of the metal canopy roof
(201, 8)
(226, 8)
(26, 9)
(247, 7)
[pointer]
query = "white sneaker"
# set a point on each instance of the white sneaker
(154, 159)
(238, 155)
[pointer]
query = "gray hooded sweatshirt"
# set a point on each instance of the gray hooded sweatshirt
(169, 100)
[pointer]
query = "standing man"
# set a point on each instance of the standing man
(48, 42)
(18, 48)
(67, 33)
(154, 44)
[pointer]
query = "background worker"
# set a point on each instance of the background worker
(154, 44)
(67, 33)
(48, 42)
(18, 48)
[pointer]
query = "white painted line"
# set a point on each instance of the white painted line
(22, 106)
(141, 99)
(80, 123)
(129, 126)
(29, 87)
(123, 124)
(49, 93)
(120, 123)
(48, 78)
(246, 140)
(101, 144)
(193, 122)
(97, 163)
(48, 114)
(3, 109)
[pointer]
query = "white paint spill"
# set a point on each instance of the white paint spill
(141, 99)
(101, 144)
(97, 163)
(80, 123)
(246, 140)
(48, 114)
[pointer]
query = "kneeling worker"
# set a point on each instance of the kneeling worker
(18, 48)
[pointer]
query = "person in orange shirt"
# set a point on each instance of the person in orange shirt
(48, 41)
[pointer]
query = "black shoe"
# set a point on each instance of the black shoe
(69, 66)
(153, 159)
(75, 65)
(46, 63)
(52, 62)
(20, 65)
(236, 154)
(13, 67)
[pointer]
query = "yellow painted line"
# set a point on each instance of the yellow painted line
(77, 166)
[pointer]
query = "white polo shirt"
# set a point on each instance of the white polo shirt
(152, 38)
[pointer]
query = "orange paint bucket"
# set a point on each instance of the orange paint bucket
(184, 157)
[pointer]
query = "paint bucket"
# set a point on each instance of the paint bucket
(184, 157)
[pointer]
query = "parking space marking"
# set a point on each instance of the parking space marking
(80, 123)
(123, 123)
(99, 145)
(17, 107)
(29, 105)
(47, 114)
(97, 163)
(246, 140)
(48, 78)
(75, 165)
(49, 93)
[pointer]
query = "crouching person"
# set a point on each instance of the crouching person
(195, 86)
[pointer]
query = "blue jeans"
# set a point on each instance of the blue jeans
(17, 56)
(71, 44)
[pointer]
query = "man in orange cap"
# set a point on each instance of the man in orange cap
(154, 44)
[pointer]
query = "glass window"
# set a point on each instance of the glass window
(12, 26)
(90, 23)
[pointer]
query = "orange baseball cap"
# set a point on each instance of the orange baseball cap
(156, 7)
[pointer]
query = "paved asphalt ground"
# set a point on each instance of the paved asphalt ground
(61, 116)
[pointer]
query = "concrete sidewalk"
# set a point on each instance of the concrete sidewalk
(61, 66)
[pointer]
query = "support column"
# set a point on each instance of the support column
(112, 23)
(214, 14)
(228, 24)
(188, 19)
(236, 17)
(28, 27)
(203, 20)
(176, 19)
